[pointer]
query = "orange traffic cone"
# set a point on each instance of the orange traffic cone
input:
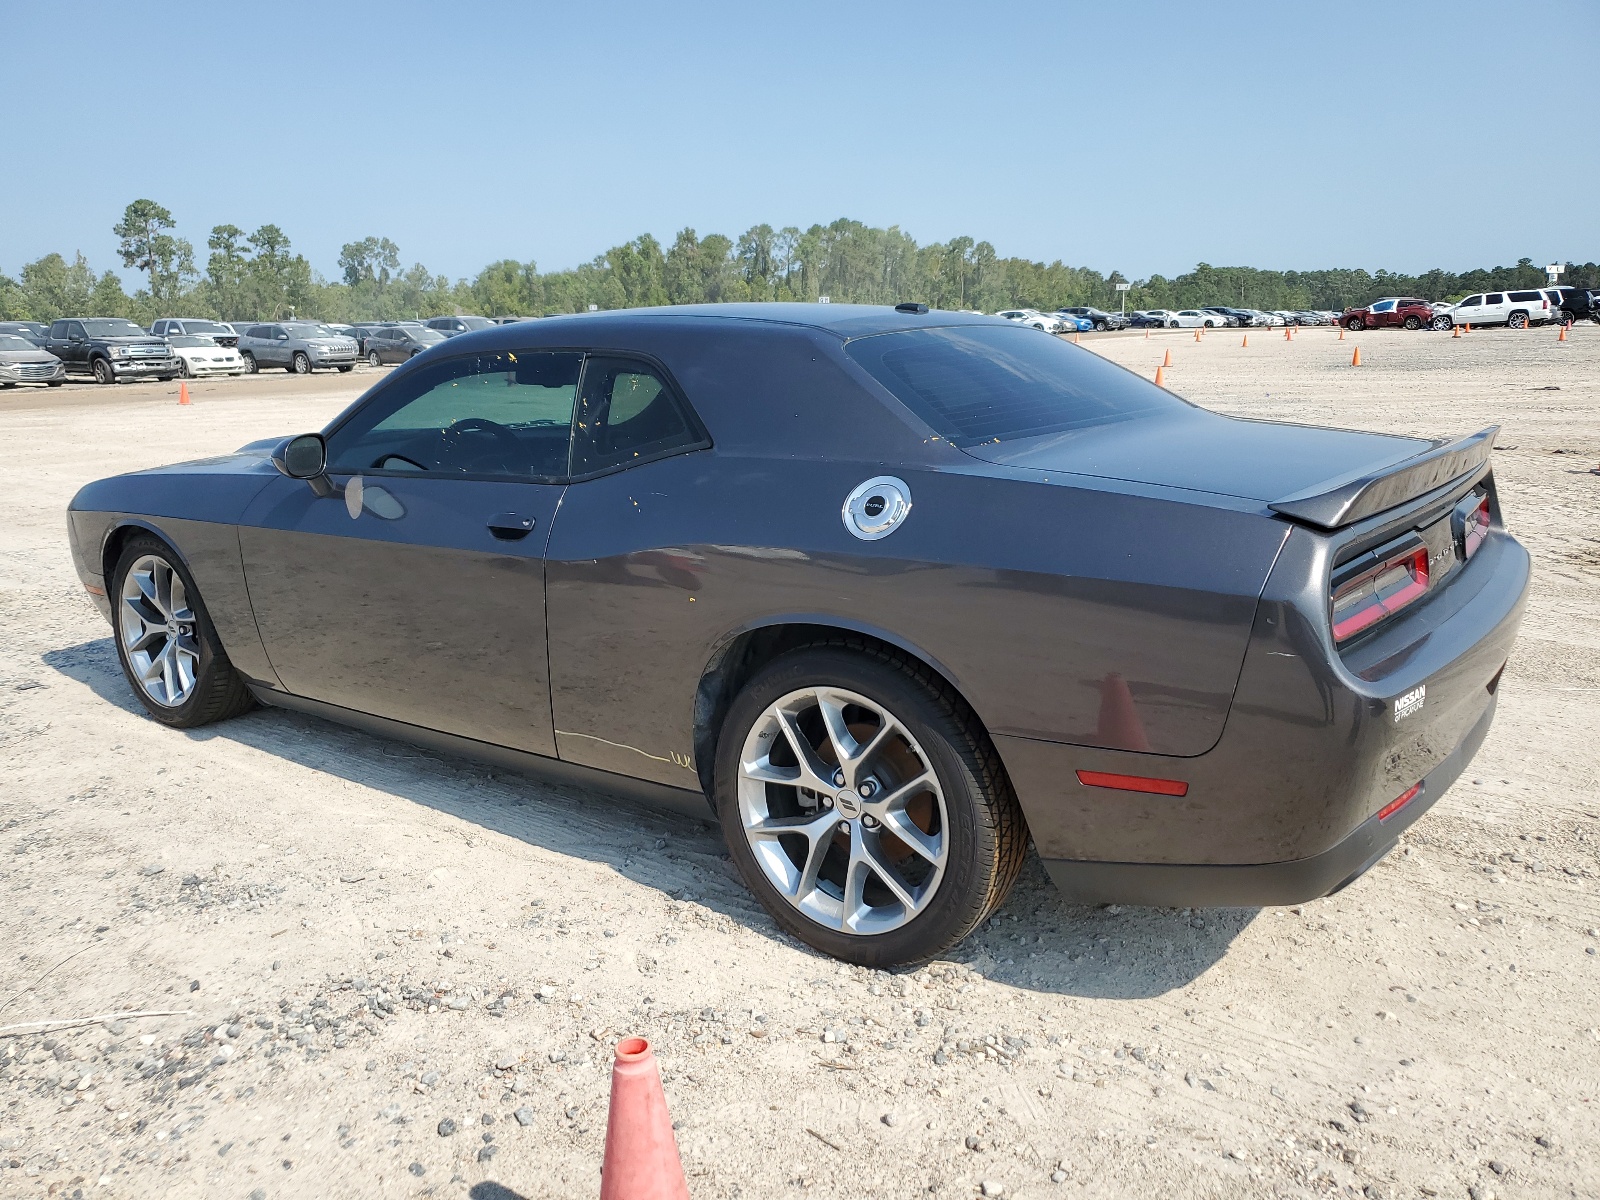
(1167, 361)
(641, 1157)
(1076, 340)
(1341, 333)
(1355, 359)
(1119, 725)
(1457, 332)
(1147, 335)
(1246, 341)
(1160, 382)
(1563, 336)
(1468, 326)
(183, 393)
(1197, 335)
(1288, 333)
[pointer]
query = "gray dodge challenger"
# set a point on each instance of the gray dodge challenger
(893, 591)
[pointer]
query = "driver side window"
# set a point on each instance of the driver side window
(502, 415)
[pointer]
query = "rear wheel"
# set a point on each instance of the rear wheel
(301, 364)
(102, 371)
(166, 642)
(1413, 322)
(864, 806)
(1518, 321)
(373, 360)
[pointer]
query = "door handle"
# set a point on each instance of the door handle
(510, 527)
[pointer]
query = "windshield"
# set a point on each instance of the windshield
(977, 384)
(10, 341)
(189, 339)
(113, 327)
(476, 322)
(209, 328)
(310, 332)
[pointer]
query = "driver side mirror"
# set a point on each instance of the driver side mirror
(305, 457)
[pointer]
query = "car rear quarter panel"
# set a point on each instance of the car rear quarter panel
(1043, 603)
(193, 507)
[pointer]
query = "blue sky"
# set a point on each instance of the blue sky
(1144, 138)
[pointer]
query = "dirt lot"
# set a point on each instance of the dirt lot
(400, 974)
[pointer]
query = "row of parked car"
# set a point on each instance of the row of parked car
(110, 349)
(1516, 309)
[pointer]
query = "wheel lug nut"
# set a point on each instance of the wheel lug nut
(844, 826)
(868, 788)
(869, 822)
(838, 779)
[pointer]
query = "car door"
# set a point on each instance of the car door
(1382, 314)
(412, 588)
(77, 346)
(619, 572)
(1496, 308)
(1469, 310)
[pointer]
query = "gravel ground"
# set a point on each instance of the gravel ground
(391, 973)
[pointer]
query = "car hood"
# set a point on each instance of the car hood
(27, 356)
(1205, 452)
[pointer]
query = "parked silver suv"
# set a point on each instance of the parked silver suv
(298, 346)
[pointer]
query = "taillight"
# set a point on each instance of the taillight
(1376, 586)
(1470, 524)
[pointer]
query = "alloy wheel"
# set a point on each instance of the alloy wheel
(843, 811)
(157, 628)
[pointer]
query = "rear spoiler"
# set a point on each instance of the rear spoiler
(1356, 499)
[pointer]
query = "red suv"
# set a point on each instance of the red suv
(1406, 311)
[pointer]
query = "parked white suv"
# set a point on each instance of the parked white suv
(1517, 309)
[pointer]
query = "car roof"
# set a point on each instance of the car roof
(843, 320)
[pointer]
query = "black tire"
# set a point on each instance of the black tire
(300, 364)
(1172, 325)
(219, 692)
(1100, 326)
(1413, 322)
(101, 367)
(250, 367)
(1355, 325)
(374, 359)
(54, 382)
(183, 368)
(987, 834)
(347, 370)
(164, 378)
(1517, 320)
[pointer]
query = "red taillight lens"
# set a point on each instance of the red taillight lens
(1380, 590)
(1399, 802)
(1474, 528)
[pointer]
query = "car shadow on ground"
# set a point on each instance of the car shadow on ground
(1036, 941)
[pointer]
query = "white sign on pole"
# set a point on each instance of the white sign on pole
(823, 300)
(1553, 270)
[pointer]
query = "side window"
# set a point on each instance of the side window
(1494, 298)
(1383, 306)
(506, 415)
(75, 329)
(628, 413)
(58, 330)
(1472, 302)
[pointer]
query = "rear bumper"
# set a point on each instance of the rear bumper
(1172, 885)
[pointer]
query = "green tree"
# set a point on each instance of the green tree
(372, 260)
(147, 246)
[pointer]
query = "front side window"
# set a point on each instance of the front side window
(987, 383)
(628, 414)
(1472, 302)
(501, 415)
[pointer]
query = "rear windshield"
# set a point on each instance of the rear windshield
(976, 384)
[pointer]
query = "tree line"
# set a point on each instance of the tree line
(258, 276)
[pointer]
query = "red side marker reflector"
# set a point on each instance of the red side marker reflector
(1399, 802)
(1133, 783)
(94, 591)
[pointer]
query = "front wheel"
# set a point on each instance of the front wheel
(1355, 325)
(166, 642)
(103, 372)
(184, 370)
(250, 367)
(864, 806)
(1442, 323)
(301, 364)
